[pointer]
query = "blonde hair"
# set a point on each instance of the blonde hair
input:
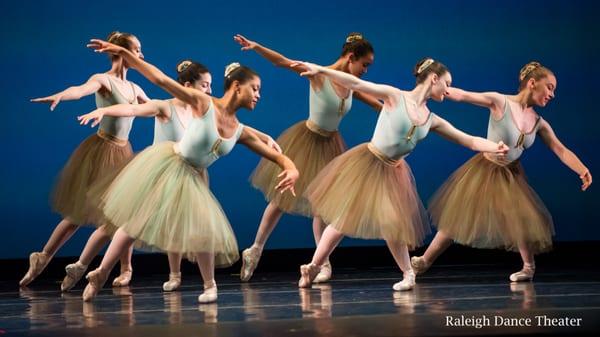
(533, 70)
(427, 66)
(122, 39)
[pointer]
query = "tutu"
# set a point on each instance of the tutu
(310, 151)
(95, 158)
(164, 202)
(488, 205)
(97, 191)
(363, 196)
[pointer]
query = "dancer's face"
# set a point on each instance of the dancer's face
(136, 47)
(358, 67)
(440, 85)
(250, 93)
(542, 90)
(204, 83)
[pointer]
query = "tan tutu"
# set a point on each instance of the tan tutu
(93, 159)
(164, 202)
(362, 196)
(487, 205)
(310, 152)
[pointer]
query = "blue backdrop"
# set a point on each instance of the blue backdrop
(484, 43)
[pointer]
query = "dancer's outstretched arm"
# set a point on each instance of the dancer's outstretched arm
(92, 85)
(191, 96)
(150, 109)
(378, 91)
(448, 131)
(566, 156)
(369, 100)
(491, 100)
(272, 56)
(282, 61)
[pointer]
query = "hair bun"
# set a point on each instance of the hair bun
(424, 66)
(181, 67)
(354, 37)
(114, 35)
(528, 68)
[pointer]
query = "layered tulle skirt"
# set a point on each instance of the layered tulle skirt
(311, 149)
(485, 204)
(95, 158)
(164, 202)
(364, 196)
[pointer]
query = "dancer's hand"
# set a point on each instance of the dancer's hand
(288, 179)
(307, 68)
(452, 94)
(586, 178)
(502, 148)
(54, 100)
(273, 144)
(94, 116)
(101, 46)
(244, 42)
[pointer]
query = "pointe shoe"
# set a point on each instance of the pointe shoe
(250, 258)
(209, 295)
(419, 265)
(324, 274)
(37, 262)
(75, 272)
(308, 272)
(96, 280)
(173, 283)
(407, 283)
(123, 279)
(525, 274)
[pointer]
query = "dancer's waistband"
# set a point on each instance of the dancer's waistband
(382, 156)
(111, 138)
(312, 126)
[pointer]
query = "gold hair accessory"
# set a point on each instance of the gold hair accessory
(528, 69)
(354, 37)
(424, 65)
(183, 66)
(231, 67)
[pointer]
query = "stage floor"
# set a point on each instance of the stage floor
(354, 303)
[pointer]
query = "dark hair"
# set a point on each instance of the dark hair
(124, 40)
(533, 70)
(357, 45)
(190, 71)
(237, 72)
(427, 66)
